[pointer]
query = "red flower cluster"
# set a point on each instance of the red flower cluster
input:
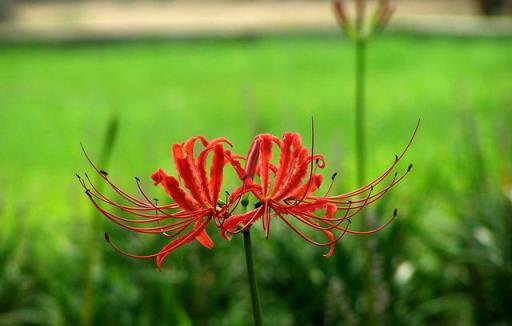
(363, 25)
(285, 191)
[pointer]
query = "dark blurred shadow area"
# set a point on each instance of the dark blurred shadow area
(128, 78)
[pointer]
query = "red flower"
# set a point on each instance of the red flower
(187, 217)
(355, 27)
(284, 191)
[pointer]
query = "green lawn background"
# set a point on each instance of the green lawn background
(55, 96)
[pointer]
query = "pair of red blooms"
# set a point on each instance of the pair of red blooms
(284, 191)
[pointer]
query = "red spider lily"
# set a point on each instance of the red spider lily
(284, 191)
(355, 27)
(187, 217)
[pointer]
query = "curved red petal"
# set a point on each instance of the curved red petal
(252, 159)
(235, 163)
(330, 210)
(232, 223)
(158, 176)
(293, 183)
(265, 157)
(314, 184)
(332, 241)
(173, 245)
(173, 189)
(187, 171)
(203, 238)
(284, 161)
(216, 173)
(220, 140)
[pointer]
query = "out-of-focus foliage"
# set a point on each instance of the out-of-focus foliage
(495, 7)
(445, 260)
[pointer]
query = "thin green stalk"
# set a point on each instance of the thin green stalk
(360, 125)
(256, 308)
(360, 110)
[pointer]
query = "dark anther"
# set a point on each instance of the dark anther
(395, 212)
(409, 168)
(334, 175)
(371, 188)
(289, 199)
(396, 173)
(88, 192)
(78, 176)
(220, 203)
(156, 200)
(350, 202)
(258, 204)
(86, 175)
(349, 221)
(396, 158)
(107, 238)
(316, 161)
(104, 173)
(227, 193)
(245, 202)
(137, 179)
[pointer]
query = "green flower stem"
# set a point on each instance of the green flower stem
(360, 116)
(256, 308)
(360, 110)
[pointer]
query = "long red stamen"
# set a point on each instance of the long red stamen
(131, 210)
(104, 175)
(158, 229)
(316, 243)
(178, 242)
(358, 209)
(330, 184)
(395, 212)
(143, 193)
(376, 196)
(321, 219)
(383, 175)
(302, 235)
(266, 219)
(125, 253)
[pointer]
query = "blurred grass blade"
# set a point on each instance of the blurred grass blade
(92, 250)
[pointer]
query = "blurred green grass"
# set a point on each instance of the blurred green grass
(55, 96)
